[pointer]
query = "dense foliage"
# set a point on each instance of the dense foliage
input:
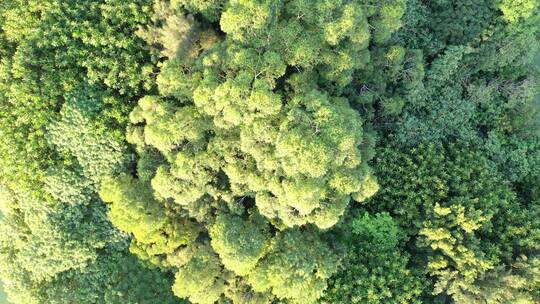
(270, 151)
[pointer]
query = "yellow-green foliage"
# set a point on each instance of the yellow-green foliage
(269, 151)
(239, 243)
(296, 268)
(513, 10)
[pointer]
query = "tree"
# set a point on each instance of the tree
(515, 284)
(134, 210)
(240, 244)
(455, 220)
(79, 59)
(375, 270)
(296, 268)
(251, 137)
(264, 151)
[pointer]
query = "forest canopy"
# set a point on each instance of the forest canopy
(270, 151)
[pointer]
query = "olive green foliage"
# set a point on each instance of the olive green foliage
(133, 210)
(200, 279)
(296, 268)
(260, 128)
(278, 153)
(517, 283)
(458, 206)
(37, 238)
(67, 72)
(270, 151)
(375, 270)
(111, 279)
(240, 244)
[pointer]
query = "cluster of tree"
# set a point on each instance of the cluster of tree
(69, 70)
(270, 151)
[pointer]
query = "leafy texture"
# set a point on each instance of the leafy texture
(269, 151)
